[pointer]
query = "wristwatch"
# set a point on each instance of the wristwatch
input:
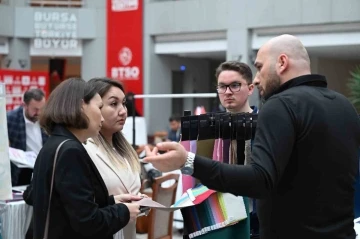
(188, 167)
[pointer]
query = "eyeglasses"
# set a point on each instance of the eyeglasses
(234, 87)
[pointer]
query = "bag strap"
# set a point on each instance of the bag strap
(51, 189)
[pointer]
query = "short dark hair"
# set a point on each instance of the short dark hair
(175, 118)
(33, 94)
(241, 68)
(64, 105)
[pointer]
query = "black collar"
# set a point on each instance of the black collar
(61, 130)
(309, 80)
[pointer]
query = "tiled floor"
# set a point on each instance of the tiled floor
(176, 235)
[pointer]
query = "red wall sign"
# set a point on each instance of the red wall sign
(124, 45)
(17, 82)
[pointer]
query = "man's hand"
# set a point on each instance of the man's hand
(174, 158)
(122, 198)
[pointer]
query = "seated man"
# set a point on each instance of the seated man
(175, 126)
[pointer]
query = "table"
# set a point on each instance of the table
(2, 210)
(15, 220)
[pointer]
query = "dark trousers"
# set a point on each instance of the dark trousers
(20, 176)
(29, 232)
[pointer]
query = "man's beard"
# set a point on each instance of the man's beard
(273, 84)
(33, 118)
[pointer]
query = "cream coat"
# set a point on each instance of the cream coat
(118, 181)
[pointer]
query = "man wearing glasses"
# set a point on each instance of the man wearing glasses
(234, 86)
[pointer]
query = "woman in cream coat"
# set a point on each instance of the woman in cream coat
(113, 156)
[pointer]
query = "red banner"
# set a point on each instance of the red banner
(124, 45)
(17, 82)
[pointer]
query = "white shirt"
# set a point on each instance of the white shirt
(33, 135)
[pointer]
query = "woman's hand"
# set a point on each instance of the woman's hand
(126, 198)
(143, 195)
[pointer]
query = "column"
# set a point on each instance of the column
(18, 3)
(239, 48)
(93, 61)
(19, 55)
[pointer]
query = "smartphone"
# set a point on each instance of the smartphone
(144, 211)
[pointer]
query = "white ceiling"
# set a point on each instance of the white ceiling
(220, 55)
(336, 42)
(349, 52)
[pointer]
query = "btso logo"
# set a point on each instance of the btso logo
(125, 56)
(126, 71)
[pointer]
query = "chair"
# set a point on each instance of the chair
(161, 222)
(142, 223)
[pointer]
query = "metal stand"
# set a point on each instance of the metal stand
(158, 96)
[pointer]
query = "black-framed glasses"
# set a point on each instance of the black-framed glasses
(234, 87)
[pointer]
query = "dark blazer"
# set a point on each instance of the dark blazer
(16, 129)
(80, 206)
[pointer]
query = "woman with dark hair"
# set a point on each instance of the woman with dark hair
(69, 196)
(112, 154)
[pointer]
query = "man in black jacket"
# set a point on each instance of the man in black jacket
(304, 158)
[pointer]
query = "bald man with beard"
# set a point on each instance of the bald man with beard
(305, 152)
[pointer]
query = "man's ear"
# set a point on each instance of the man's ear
(282, 63)
(251, 89)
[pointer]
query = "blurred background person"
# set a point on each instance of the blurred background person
(25, 133)
(175, 128)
